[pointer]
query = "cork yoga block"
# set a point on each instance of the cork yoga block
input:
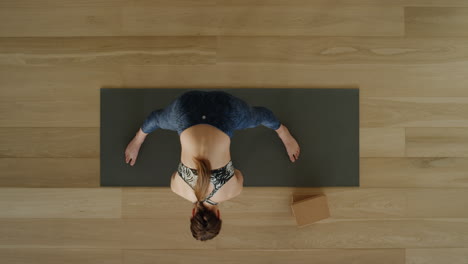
(309, 209)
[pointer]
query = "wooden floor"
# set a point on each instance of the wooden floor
(408, 57)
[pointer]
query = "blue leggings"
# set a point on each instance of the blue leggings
(217, 108)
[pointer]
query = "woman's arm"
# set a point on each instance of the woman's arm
(160, 118)
(282, 130)
(253, 116)
(140, 136)
(164, 118)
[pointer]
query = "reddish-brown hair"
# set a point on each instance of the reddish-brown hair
(205, 224)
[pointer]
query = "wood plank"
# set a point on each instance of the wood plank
(329, 256)
(146, 202)
(113, 3)
(107, 51)
(53, 142)
(163, 20)
(60, 203)
(327, 3)
(414, 172)
(443, 202)
(373, 80)
(273, 205)
(239, 233)
(308, 20)
(340, 50)
(105, 20)
(61, 3)
(61, 233)
(59, 256)
(53, 96)
(258, 19)
(60, 21)
(381, 142)
(414, 112)
(436, 21)
(436, 255)
(434, 3)
(99, 233)
(247, 233)
(437, 142)
(50, 172)
(58, 82)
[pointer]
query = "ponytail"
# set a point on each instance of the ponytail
(205, 224)
(203, 166)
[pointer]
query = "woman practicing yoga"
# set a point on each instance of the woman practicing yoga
(205, 122)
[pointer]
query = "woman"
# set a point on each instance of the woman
(205, 122)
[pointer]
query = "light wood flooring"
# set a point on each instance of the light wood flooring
(408, 57)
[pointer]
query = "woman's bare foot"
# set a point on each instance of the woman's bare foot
(291, 145)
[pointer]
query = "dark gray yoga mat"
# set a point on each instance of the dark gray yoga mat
(325, 122)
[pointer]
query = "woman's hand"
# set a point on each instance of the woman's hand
(131, 153)
(291, 145)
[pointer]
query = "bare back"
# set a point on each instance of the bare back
(212, 143)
